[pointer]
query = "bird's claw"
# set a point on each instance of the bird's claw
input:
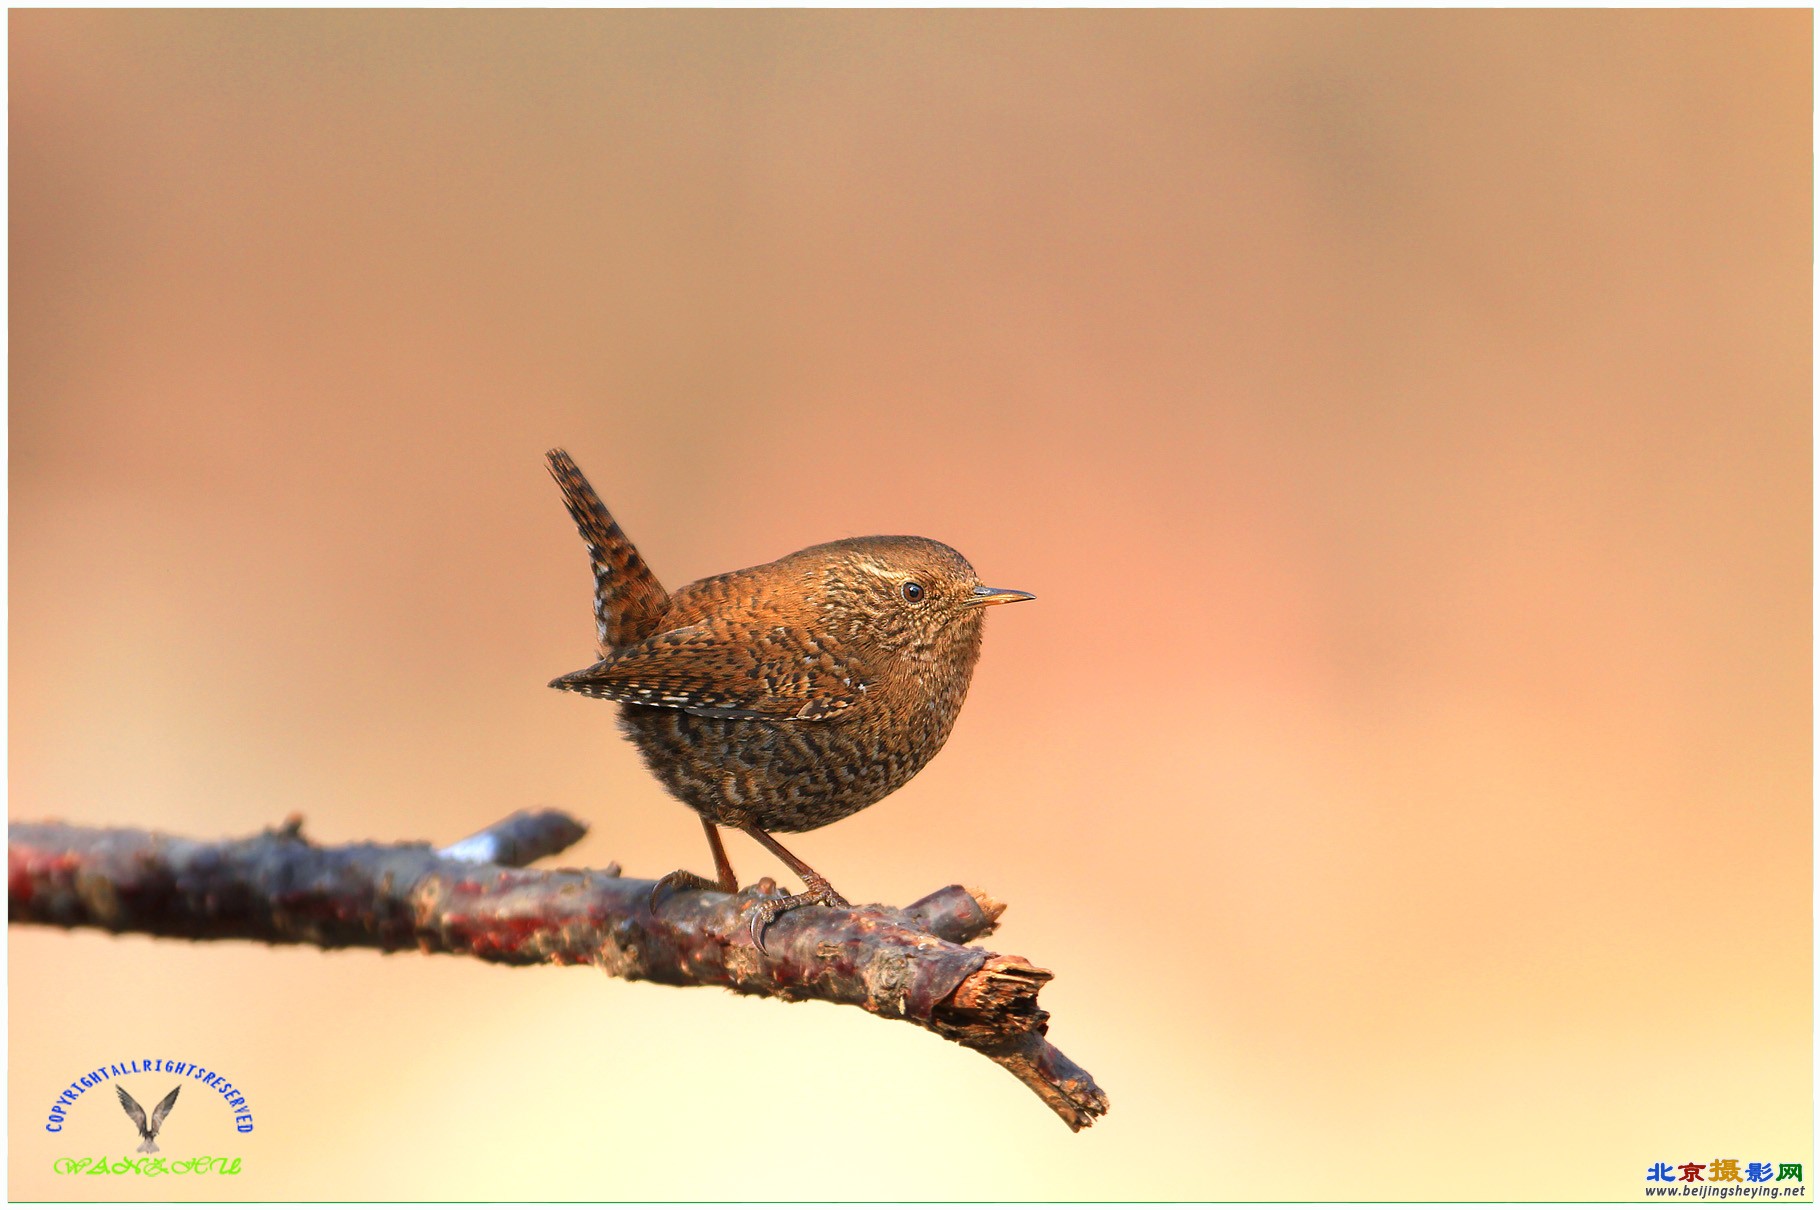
(762, 913)
(680, 880)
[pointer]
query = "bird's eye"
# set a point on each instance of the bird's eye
(913, 592)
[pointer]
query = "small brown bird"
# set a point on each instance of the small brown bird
(786, 696)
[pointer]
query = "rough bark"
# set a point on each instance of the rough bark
(910, 964)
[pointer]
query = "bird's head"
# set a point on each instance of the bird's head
(912, 595)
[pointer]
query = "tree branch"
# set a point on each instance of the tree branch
(517, 840)
(910, 964)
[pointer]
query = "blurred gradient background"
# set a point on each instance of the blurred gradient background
(1402, 417)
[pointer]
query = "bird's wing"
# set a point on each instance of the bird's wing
(132, 1108)
(163, 1107)
(727, 670)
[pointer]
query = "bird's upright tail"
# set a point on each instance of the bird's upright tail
(628, 599)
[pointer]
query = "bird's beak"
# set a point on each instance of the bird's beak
(998, 596)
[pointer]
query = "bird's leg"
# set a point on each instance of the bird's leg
(684, 880)
(767, 910)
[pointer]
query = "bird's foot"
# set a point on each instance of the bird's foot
(681, 880)
(762, 913)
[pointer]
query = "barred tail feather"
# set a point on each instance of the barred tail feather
(628, 600)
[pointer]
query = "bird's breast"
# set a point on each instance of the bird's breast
(790, 775)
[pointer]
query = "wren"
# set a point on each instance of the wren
(785, 696)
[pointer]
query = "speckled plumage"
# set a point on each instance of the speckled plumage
(786, 696)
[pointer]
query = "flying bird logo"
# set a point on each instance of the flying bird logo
(148, 1132)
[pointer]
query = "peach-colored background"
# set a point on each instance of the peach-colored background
(1402, 417)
